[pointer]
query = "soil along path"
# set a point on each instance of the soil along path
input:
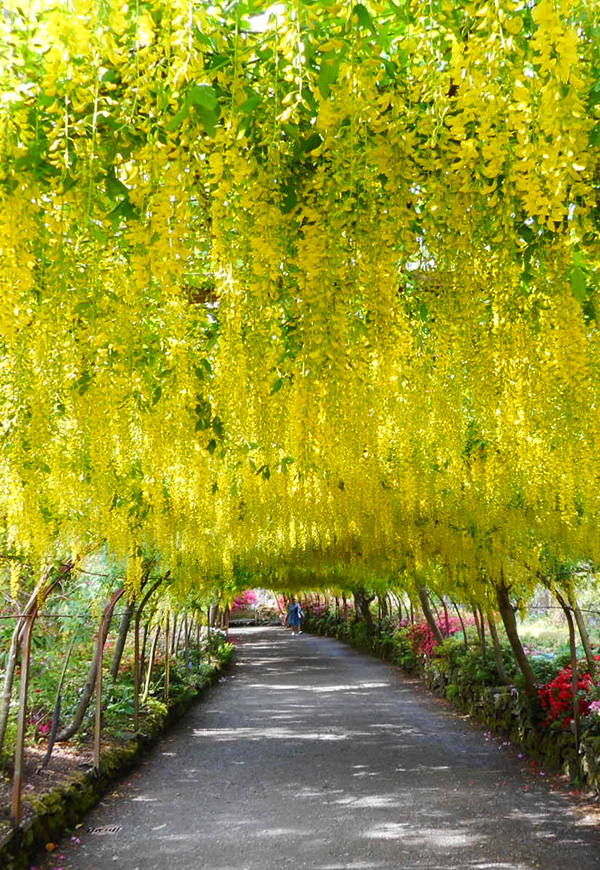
(311, 755)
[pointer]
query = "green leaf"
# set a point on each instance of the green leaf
(526, 233)
(104, 119)
(291, 131)
(124, 210)
(364, 18)
(593, 99)
(289, 198)
(83, 383)
(578, 284)
(277, 386)
(211, 446)
(203, 96)
(595, 135)
(218, 427)
(114, 187)
(250, 105)
(311, 143)
(68, 182)
(203, 414)
(178, 119)
(328, 76)
(209, 120)
(112, 75)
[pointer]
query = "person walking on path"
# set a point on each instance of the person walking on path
(295, 616)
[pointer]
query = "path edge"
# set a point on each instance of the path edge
(62, 809)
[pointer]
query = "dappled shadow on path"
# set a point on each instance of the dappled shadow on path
(385, 769)
(313, 756)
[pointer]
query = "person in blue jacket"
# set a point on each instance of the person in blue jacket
(295, 616)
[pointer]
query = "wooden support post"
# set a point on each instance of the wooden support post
(98, 706)
(173, 634)
(167, 660)
(17, 794)
(101, 640)
(39, 594)
(483, 638)
(137, 673)
(574, 676)
(179, 633)
(462, 624)
(151, 662)
(137, 660)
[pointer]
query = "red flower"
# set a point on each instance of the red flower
(556, 696)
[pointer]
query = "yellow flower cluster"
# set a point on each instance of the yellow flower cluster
(309, 291)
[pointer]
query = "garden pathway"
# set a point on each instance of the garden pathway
(311, 755)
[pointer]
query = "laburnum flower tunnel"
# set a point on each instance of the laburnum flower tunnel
(304, 292)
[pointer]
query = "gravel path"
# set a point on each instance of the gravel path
(311, 755)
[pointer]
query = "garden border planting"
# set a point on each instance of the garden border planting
(61, 809)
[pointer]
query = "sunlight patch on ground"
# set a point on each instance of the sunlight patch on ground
(534, 817)
(349, 687)
(494, 865)
(319, 793)
(374, 801)
(354, 865)
(259, 663)
(437, 838)
(387, 831)
(221, 734)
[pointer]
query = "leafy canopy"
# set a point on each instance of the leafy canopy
(307, 290)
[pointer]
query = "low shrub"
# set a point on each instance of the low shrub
(557, 696)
